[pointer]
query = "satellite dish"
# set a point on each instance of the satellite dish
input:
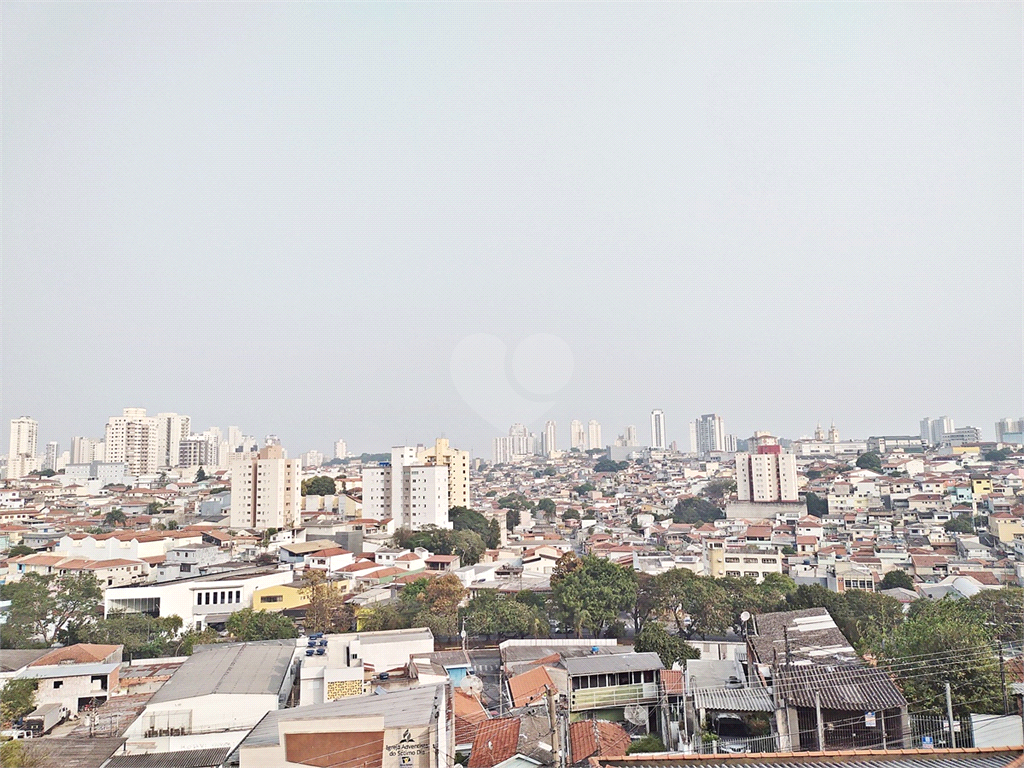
(636, 714)
(745, 617)
(472, 685)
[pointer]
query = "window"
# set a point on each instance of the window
(58, 684)
(271, 598)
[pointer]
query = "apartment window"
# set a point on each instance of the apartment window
(199, 598)
(58, 684)
(238, 595)
(272, 599)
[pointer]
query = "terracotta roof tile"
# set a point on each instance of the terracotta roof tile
(496, 740)
(529, 687)
(593, 738)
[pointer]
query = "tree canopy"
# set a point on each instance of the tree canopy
(897, 578)
(961, 524)
(44, 608)
(465, 543)
(248, 625)
(607, 465)
(696, 510)
(465, 519)
(870, 460)
(670, 648)
(592, 595)
(321, 485)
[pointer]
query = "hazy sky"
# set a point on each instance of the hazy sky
(342, 219)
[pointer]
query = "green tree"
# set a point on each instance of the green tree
(897, 578)
(186, 642)
(870, 460)
(607, 465)
(19, 550)
(571, 514)
(201, 475)
(813, 474)
(998, 455)
(547, 506)
(695, 511)
(143, 636)
(465, 519)
(816, 505)
(327, 610)
(592, 595)
(17, 753)
(249, 625)
(698, 604)
(440, 600)
(1001, 611)
(491, 614)
(719, 490)
(115, 518)
(48, 606)
(961, 524)
(654, 637)
(17, 699)
(583, 488)
(928, 649)
(321, 485)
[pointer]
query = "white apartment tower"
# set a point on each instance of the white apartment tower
(413, 493)
(933, 430)
(340, 449)
(85, 450)
(577, 437)
(550, 436)
(658, 439)
(174, 428)
(134, 439)
(768, 474)
(629, 438)
(266, 490)
(594, 435)
(707, 434)
(21, 450)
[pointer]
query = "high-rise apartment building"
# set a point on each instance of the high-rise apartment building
(658, 438)
(577, 437)
(518, 444)
(266, 490)
(767, 474)
(629, 436)
(1006, 427)
(135, 440)
(197, 451)
(707, 434)
(413, 493)
(85, 450)
(174, 428)
(340, 449)
(52, 458)
(21, 449)
(550, 439)
(594, 435)
(933, 430)
(458, 469)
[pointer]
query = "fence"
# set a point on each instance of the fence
(702, 746)
(936, 728)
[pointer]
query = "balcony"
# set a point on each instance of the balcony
(613, 696)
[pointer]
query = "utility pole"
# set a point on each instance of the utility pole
(817, 715)
(556, 740)
(1002, 676)
(949, 717)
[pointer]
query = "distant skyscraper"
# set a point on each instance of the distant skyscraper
(415, 494)
(933, 430)
(340, 449)
(52, 456)
(658, 438)
(594, 435)
(235, 437)
(577, 437)
(85, 450)
(174, 428)
(516, 445)
(458, 469)
(21, 450)
(766, 474)
(629, 438)
(1007, 427)
(550, 439)
(708, 433)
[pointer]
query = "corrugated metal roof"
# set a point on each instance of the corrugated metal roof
(854, 686)
(750, 699)
(618, 662)
(187, 758)
(238, 668)
(68, 670)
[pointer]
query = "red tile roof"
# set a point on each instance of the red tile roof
(593, 738)
(496, 740)
(529, 687)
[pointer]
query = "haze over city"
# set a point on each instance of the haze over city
(290, 221)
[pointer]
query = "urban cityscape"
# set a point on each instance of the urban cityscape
(567, 598)
(512, 384)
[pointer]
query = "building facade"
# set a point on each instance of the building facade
(21, 451)
(768, 475)
(658, 438)
(266, 491)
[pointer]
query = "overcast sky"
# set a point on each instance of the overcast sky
(341, 219)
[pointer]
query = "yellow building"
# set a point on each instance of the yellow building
(458, 469)
(981, 486)
(280, 598)
(960, 450)
(1006, 528)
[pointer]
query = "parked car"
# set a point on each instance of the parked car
(732, 732)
